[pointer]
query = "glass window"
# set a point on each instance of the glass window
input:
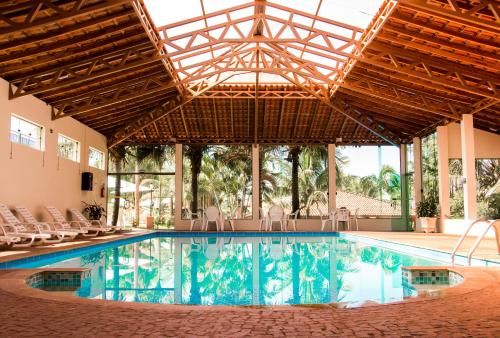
(68, 148)
(141, 185)
(25, 132)
(96, 158)
(368, 179)
(488, 187)
(456, 188)
(429, 167)
(295, 178)
(223, 179)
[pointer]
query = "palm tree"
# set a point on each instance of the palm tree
(293, 156)
(118, 155)
(195, 154)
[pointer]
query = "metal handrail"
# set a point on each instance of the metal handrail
(478, 240)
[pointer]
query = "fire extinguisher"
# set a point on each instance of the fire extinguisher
(103, 190)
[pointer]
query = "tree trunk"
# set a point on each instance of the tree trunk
(294, 154)
(195, 156)
(116, 204)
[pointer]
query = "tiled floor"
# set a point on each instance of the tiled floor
(472, 312)
(486, 250)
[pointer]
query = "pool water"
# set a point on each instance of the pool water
(240, 270)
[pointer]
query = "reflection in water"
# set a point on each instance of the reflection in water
(246, 271)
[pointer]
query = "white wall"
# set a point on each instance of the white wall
(487, 145)
(35, 178)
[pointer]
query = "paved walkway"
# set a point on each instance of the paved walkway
(469, 310)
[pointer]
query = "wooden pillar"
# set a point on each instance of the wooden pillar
(332, 178)
(469, 166)
(405, 205)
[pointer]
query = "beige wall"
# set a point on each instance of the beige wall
(35, 178)
(487, 145)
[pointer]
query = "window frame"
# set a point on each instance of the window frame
(40, 140)
(103, 160)
(77, 155)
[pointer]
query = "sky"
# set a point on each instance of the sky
(363, 161)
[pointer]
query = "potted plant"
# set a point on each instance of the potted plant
(94, 211)
(427, 211)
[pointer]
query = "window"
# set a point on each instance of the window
(96, 158)
(68, 148)
(25, 132)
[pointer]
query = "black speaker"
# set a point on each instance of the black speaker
(87, 181)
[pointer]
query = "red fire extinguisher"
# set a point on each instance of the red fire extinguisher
(103, 190)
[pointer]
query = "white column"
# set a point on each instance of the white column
(178, 187)
(255, 184)
(468, 165)
(443, 172)
(332, 178)
(417, 169)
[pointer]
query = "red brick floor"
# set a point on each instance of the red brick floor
(469, 310)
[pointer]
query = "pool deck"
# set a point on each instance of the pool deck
(467, 310)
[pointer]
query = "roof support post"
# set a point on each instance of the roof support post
(443, 172)
(332, 178)
(468, 166)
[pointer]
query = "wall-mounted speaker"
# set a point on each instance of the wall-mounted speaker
(87, 181)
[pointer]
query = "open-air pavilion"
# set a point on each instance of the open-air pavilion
(382, 112)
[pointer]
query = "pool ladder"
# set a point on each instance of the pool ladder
(490, 224)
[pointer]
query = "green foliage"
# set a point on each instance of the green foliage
(428, 207)
(94, 211)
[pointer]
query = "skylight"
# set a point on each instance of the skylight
(283, 40)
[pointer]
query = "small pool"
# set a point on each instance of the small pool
(243, 269)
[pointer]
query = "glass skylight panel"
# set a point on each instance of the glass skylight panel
(323, 32)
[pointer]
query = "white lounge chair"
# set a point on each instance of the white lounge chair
(196, 217)
(6, 239)
(275, 214)
(354, 217)
(28, 233)
(213, 214)
(67, 225)
(93, 223)
(45, 227)
(329, 218)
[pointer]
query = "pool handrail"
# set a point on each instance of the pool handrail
(478, 240)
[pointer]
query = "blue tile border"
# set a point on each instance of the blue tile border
(76, 252)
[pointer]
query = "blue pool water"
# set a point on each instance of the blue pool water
(244, 270)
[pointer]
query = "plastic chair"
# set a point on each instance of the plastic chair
(196, 217)
(213, 214)
(262, 219)
(343, 215)
(329, 218)
(275, 214)
(292, 218)
(355, 218)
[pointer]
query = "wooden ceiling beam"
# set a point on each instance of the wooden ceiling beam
(459, 13)
(62, 13)
(438, 71)
(82, 71)
(432, 48)
(125, 93)
(439, 29)
(64, 45)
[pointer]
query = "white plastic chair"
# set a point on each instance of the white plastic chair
(329, 218)
(196, 217)
(343, 215)
(355, 218)
(213, 214)
(292, 218)
(262, 219)
(275, 214)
